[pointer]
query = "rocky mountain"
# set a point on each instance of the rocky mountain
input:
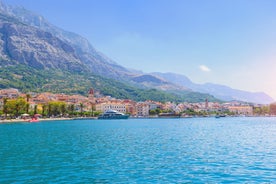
(219, 91)
(84, 53)
(36, 48)
(36, 55)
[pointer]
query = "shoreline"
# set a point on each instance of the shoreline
(28, 120)
(95, 118)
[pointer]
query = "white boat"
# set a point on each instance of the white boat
(113, 114)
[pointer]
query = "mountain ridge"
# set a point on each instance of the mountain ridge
(37, 60)
(28, 38)
(222, 92)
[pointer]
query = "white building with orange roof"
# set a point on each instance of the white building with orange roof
(9, 93)
(43, 98)
(245, 110)
(142, 109)
(62, 97)
(75, 99)
(118, 106)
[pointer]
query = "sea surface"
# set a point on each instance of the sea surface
(191, 150)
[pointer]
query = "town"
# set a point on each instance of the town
(14, 104)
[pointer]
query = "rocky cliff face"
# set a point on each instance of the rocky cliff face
(36, 48)
(79, 49)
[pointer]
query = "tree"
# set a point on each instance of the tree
(92, 109)
(5, 109)
(17, 109)
(28, 96)
(16, 106)
(35, 109)
(257, 111)
(152, 112)
(44, 109)
(71, 109)
(81, 108)
(56, 108)
(63, 108)
(262, 110)
(155, 111)
(49, 109)
(273, 109)
(27, 108)
(265, 109)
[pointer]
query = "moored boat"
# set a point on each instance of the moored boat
(169, 115)
(220, 115)
(113, 114)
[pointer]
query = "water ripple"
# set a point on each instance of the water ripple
(207, 150)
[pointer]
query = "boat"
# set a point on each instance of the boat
(113, 114)
(220, 115)
(168, 115)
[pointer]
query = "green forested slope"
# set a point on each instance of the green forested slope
(28, 79)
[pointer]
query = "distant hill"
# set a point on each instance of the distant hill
(157, 83)
(219, 91)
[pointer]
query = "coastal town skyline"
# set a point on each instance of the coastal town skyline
(229, 42)
(95, 102)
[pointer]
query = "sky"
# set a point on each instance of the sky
(229, 42)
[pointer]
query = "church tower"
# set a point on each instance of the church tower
(91, 96)
(206, 104)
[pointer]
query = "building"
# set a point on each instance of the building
(120, 107)
(9, 93)
(206, 104)
(91, 96)
(244, 110)
(142, 109)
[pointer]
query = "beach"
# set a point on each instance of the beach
(28, 120)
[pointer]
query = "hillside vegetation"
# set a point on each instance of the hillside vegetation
(38, 56)
(28, 79)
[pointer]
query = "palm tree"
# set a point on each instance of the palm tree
(43, 109)
(63, 109)
(92, 113)
(17, 108)
(81, 108)
(28, 96)
(35, 109)
(71, 109)
(5, 108)
(27, 108)
(49, 110)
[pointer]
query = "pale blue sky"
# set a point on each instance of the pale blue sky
(231, 42)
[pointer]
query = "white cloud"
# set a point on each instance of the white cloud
(204, 68)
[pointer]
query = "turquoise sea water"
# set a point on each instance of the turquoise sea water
(195, 150)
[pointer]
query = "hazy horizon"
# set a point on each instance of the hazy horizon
(225, 42)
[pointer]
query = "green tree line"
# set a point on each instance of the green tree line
(13, 108)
